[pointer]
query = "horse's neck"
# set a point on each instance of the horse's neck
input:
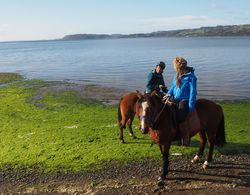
(158, 102)
(171, 112)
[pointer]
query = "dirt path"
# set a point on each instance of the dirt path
(227, 175)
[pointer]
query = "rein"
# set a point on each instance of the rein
(167, 102)
(158, 115)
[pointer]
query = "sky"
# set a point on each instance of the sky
(52, 19)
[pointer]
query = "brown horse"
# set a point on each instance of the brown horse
(158, 119)
(127, 112)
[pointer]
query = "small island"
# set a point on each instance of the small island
(231, 30)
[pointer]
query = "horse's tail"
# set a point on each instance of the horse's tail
(119, 114)
(220, 139)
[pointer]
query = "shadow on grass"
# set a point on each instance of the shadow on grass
(235, 148)
(142, 141)
(228, 148)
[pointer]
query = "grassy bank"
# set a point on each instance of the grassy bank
(63, 131)
(9, 77)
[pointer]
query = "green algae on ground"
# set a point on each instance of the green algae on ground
(71, 133)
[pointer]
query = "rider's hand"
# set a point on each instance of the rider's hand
(166, 97)
(161, 86)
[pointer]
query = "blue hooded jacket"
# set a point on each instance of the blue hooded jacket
(187, 89)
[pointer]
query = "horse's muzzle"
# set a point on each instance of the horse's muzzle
(144, 130)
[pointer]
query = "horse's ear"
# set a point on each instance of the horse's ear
(139, 95)
(153, 93)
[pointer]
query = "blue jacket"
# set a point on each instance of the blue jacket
(186, 90)
(154, 80)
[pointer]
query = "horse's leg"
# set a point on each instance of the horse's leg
(122, 126)
(210, 151)
(165, 152)
(121, 135)
(203, 141)
(121, 120)
(129, 123)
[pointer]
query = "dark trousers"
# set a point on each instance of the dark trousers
(182, 111)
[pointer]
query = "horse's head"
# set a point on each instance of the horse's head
(147, 108)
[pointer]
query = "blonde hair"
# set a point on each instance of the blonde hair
(180, 65)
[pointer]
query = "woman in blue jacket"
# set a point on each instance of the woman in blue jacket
(183, 90)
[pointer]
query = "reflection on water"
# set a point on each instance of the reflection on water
(222, 65)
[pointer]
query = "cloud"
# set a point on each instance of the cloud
(180, 22)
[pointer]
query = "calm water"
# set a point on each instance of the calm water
(222, 65)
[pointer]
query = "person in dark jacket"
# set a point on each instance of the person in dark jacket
(155, 79)
(183, 92)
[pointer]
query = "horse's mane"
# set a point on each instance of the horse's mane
(155, 102)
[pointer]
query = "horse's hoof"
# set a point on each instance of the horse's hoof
(122, 141)
(160, 183)
(132, 135)
(195, 159)
(205, 165)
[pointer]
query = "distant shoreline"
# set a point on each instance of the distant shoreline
(61, 40)
(225, 31)
(214, 31)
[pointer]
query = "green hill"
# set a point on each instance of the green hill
(232, 30)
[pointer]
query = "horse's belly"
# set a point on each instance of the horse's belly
(193, 122)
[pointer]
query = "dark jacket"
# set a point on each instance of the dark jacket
(154, 80)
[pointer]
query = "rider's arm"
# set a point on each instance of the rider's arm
(163, 86)
(193, 93)
(171, 90)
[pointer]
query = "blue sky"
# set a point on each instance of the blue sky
(49, 19)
